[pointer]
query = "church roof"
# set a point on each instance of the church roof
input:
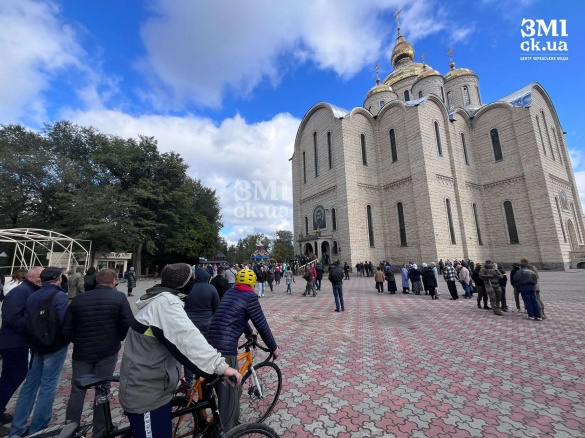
(403, 72)
(521, 97)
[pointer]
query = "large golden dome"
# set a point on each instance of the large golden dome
(402, 49)
(407, 71)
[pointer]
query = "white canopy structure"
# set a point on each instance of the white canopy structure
(35, 247)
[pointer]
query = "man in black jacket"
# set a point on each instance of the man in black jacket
(96, 322)
(220, 282)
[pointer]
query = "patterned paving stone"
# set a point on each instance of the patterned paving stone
(407, 366)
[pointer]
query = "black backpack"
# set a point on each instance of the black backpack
(44, 328)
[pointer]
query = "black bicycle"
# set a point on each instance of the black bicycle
(206, 426)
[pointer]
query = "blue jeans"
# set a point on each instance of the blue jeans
(43, 377)
(14, 369)
(288, 287)
(338, 294)
(466, 288)
(260, 289)
(528, 292)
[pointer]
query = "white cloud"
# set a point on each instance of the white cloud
(247, 164)
(196, 51)
(34, 45)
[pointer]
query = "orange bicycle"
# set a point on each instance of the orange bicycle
(261, 386)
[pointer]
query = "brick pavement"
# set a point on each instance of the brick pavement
(403, 365)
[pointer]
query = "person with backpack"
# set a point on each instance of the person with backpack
(336, 279)
(14, 343)
(44, 313)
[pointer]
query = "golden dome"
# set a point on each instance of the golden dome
(378, 88)
(407, 71)
(456, 72)
(402, 49)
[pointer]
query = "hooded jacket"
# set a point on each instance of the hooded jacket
(161, 337)
(202, 301)
(12, 333)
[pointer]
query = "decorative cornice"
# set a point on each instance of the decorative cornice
(321, 193)
(445, 180)
(368, 186)
(503, 182)
(398, 183)
(560, 182)
(473, 186)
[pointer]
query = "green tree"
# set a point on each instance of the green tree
(282, 246)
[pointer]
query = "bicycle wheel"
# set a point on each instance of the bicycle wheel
(259, 398)
(251, 430)
(187, 425)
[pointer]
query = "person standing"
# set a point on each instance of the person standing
(429, 280)
(346, 271)
(319, 271)
(270, 278)
(45, 370)
(75, 284)
(289, 279)
(261, 275)
(525, 280)
(379, 279)
(515, 268)
(503, 283)
(436, 272)
(465, 280)
(405, 283)
(491, 278)
(89, 281)
(480, 287)
(131, 280)
(536, 288)
(219, 282)
(310, 287)
(389, 277)
(13, 342)
(230, 275)
(277, 276)
(18, 276)
(415, 279)
(450, 278)
(441, 266)
(336, 279)
(96, 322)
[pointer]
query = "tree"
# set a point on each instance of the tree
(282, 246)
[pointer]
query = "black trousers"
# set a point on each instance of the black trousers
(453, 289)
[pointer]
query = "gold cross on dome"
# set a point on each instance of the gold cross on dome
(396, 18)
(450, 54)
(423, 56)
(377, 69)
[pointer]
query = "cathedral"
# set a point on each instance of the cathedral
(425, 170)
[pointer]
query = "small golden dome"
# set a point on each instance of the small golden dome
(457, 72)
(378, 88)
(402, 49)
(427, 71)
(407, 71)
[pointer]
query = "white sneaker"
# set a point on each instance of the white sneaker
(531, 317)
(539, 319)
(518, 310)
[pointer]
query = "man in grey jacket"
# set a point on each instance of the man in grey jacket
(160, 339)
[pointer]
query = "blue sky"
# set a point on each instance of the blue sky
(227, 83)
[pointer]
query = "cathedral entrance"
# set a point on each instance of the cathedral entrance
(325, 254)
(308, 249)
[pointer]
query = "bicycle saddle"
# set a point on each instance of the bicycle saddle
(89, 380)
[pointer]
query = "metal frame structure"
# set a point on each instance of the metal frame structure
(31, 244)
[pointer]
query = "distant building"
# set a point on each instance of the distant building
(424, 170)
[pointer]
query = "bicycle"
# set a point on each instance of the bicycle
(261, 386)
(212, 428)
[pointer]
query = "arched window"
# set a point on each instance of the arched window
(464, 149)
(406, 96)
(420, 94)
(576, 222)
(478, 95)
(540, 133)
(557, 145)
(393, 150)
(335, 250)
(442, 95)
(306, 226)
(438, 138)
(381, 104)
(329, 150)
(496, 145)
(561, 219)
(511, 222)
(552, 154)
(564, 200)
(370, 225)
(333, 219)
(465, 95)
(476, 217)
(450, 221)
(449, 101)
(401, 224)
(316, 154)
(304, 168)
(364, 155)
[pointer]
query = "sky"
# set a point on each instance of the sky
(227, 83)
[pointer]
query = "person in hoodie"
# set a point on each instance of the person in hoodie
(429, 280)
(159, 339)
(239, 305)
(200, 306)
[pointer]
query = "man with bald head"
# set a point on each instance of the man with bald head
(13, 342)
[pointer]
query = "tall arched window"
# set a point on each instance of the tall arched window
(465, 95)
(449, 101)
(420, 94)
(561, 219)
(450, 221)
(393, 150)
(335, 250)
(540, 133)
(370, 225)
(511, 222)
(557, 145)
(304, 168)
(364, 154)
(406, 96)
(478, 95)
(329, 150)
(576, 222)
(464, 149)
(476, 217)
(438, 138)
(333, 219)
(306, 226)
(316, 154)
(496, 145)
(442, 95)
(552, 154)
(401, 224)
(381, 104)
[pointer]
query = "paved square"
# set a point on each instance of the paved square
(403, 365)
